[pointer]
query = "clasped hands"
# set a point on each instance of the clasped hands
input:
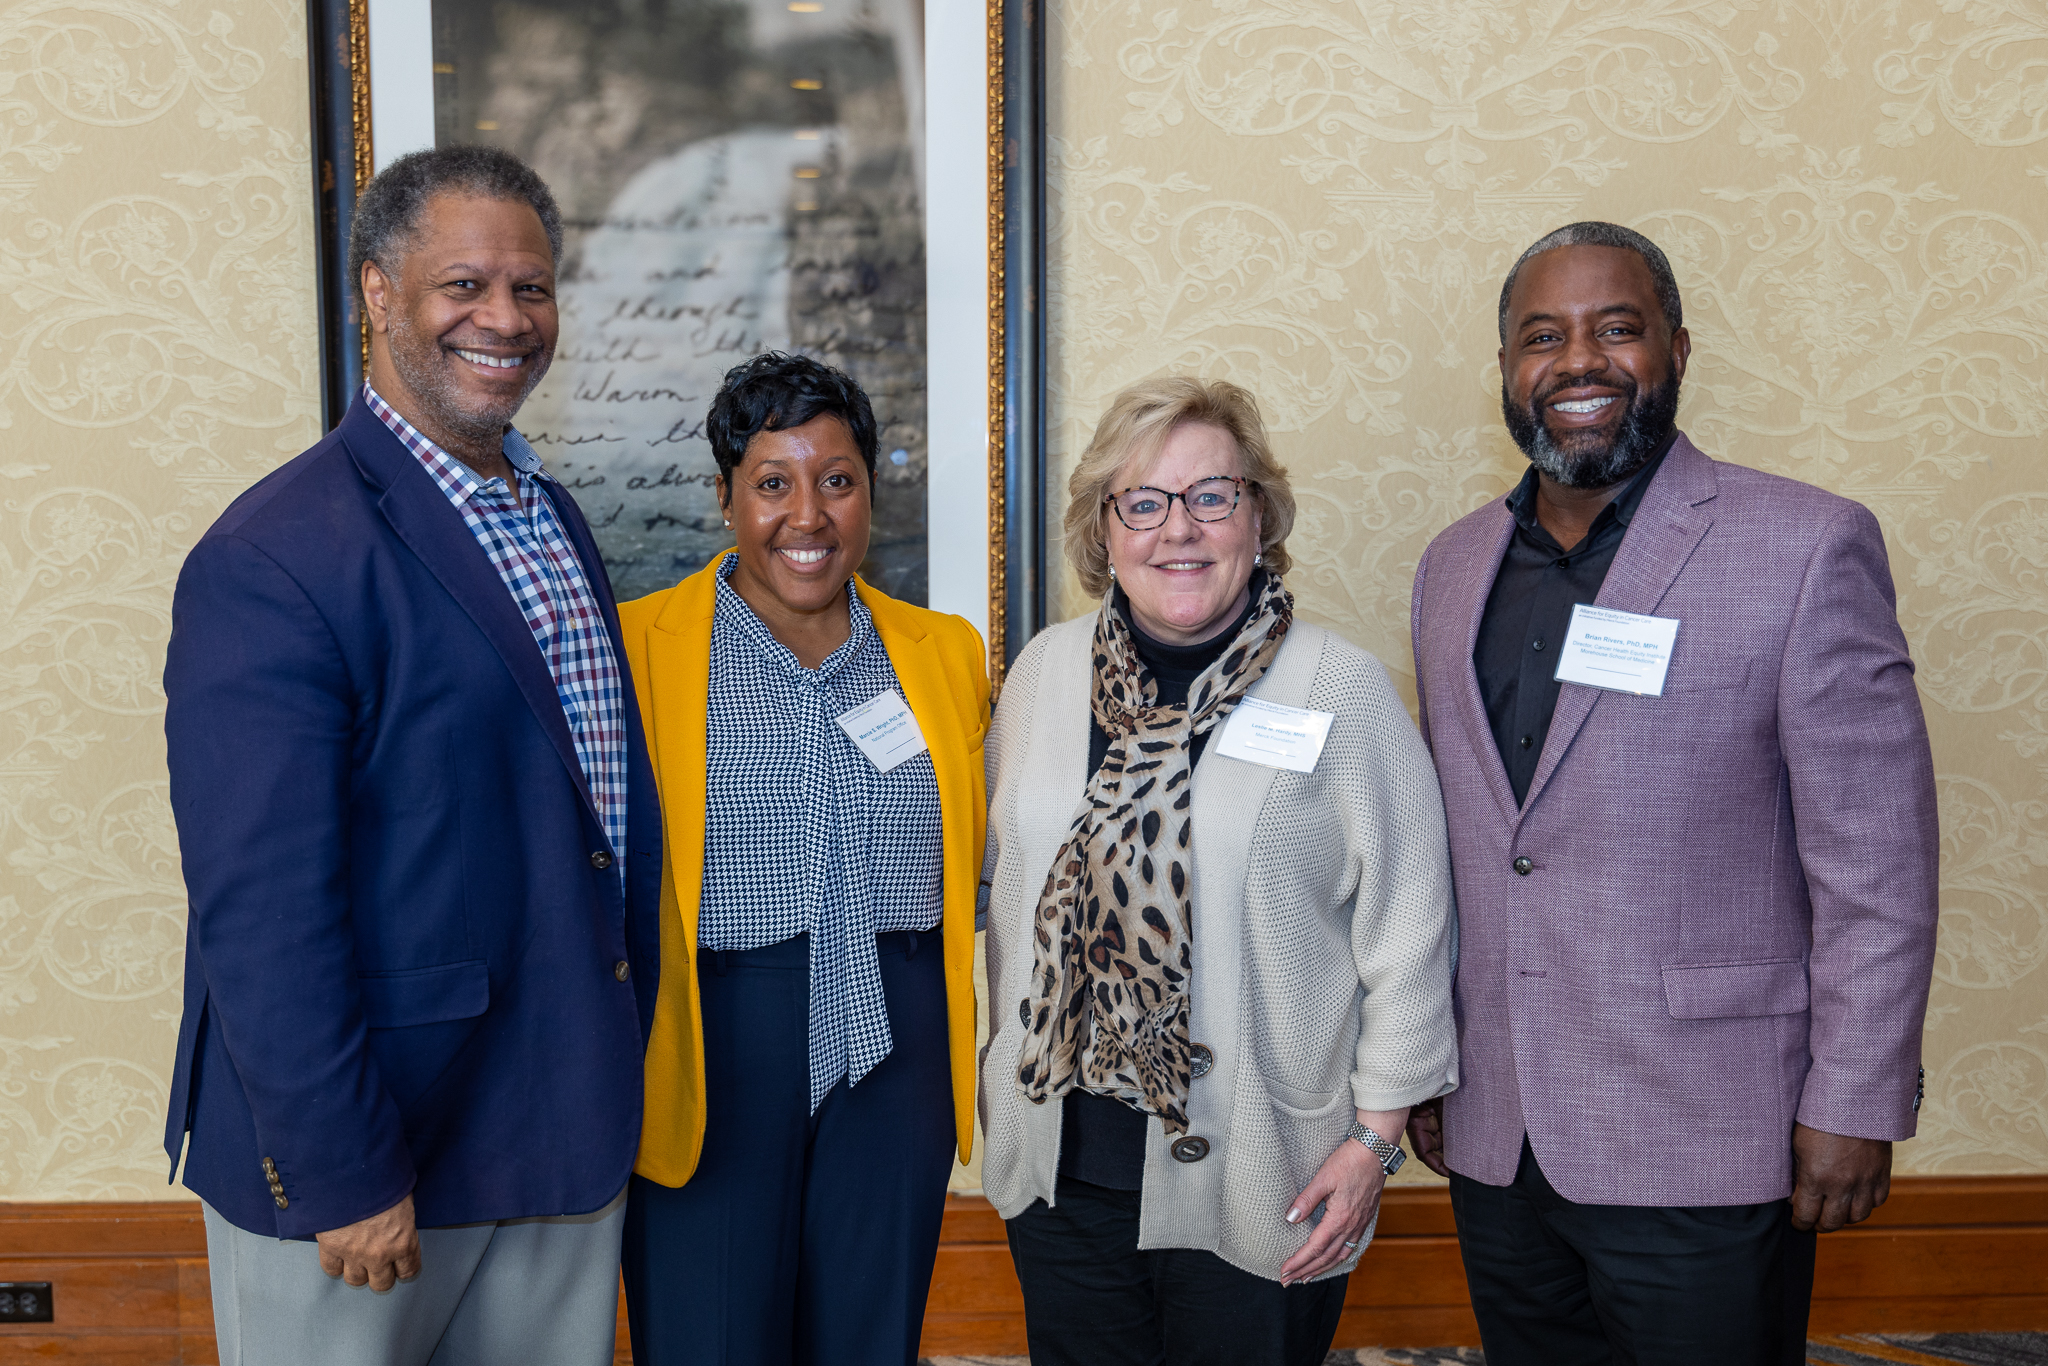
(1836, 1180)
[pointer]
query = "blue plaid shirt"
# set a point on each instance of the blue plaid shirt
(531, 552)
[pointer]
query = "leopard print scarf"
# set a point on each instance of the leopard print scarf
(1111, 955)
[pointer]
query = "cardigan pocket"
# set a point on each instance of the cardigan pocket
(1296, 1103)
(1307, 1133)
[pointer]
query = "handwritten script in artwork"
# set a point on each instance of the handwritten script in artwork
(687, 275)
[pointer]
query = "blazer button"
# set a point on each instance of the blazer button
(622, 970)
(1200, 1060)
(282, 1203)
(1191, 1149)
(601, 860)
(1525, 865)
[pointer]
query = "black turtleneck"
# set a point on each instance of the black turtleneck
(1102, 1140)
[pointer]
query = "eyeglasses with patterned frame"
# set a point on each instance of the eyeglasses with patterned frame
(1144, 508)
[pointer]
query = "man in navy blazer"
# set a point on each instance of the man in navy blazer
(420, 838)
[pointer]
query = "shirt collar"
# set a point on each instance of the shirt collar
(1522, 500)
(731, 607)
(518, 451)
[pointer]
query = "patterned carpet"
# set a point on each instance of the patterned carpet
(1881, 1349)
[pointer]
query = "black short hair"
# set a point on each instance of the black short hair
(1594, 234)
(776, 391)
(389, 208)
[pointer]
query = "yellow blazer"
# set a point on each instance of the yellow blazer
(942, 665)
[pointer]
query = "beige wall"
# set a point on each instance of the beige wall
(1318, 199)
(157, 354)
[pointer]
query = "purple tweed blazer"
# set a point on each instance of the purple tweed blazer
(1729, 922)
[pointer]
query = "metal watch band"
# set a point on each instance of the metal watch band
(1390, 1155)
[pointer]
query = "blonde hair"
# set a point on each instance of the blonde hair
(1137, 424)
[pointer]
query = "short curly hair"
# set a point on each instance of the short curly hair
(1597, 234)
(389, 208)
(776, 391)
(1135, 428)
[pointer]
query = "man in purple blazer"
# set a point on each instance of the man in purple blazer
(1693, 834)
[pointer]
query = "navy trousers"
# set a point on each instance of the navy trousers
(802, 1238)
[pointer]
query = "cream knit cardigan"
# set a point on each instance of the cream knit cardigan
(1324, 937)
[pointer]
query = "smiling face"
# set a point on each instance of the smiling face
(801, 509)
(1187, 580)
(1591, 369)
(467, 327)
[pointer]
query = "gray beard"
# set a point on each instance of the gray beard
(425, 368)
(1649, 419)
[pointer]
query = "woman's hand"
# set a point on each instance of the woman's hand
(1349, 1185)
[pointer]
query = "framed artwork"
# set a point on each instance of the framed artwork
(737, 176)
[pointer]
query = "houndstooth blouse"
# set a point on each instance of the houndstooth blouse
(801, 834)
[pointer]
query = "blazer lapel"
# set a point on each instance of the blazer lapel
(1667, 526)
(915, 657)
(431, 527)
(1472, 583)
(570, 515)
(677, 698)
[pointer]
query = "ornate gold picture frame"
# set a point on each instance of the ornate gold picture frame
(1016, 329)
(1015, 218)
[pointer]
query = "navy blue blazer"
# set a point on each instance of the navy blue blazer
(410, 964)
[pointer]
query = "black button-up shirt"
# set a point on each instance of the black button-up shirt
(1529, 610)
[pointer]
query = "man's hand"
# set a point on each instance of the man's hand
(1426, 1135)
(378, 1251)
(1836, 1180)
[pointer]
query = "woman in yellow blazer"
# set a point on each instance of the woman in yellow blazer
(811, 1070)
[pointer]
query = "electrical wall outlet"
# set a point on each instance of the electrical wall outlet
(25, 1302)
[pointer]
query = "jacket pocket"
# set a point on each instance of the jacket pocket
(1686, 676)
(1713, 991)
(452, 991)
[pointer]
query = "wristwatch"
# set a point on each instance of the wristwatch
(1390, 1155)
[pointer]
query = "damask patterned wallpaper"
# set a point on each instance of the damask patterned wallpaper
(157, 354)
(1318, 199)
(1314, 197)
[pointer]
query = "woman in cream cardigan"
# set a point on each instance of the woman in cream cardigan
(1220, 919)
(810, 1071)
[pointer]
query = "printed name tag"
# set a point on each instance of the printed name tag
(1619, 651)
(885, 730)
(1276, 736)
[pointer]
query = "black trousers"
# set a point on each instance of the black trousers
(802, 1238)
(1091, 1298)
(1559, 1284)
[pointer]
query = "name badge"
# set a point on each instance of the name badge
(884, 730)
(1619, 651)
(1260, 732)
